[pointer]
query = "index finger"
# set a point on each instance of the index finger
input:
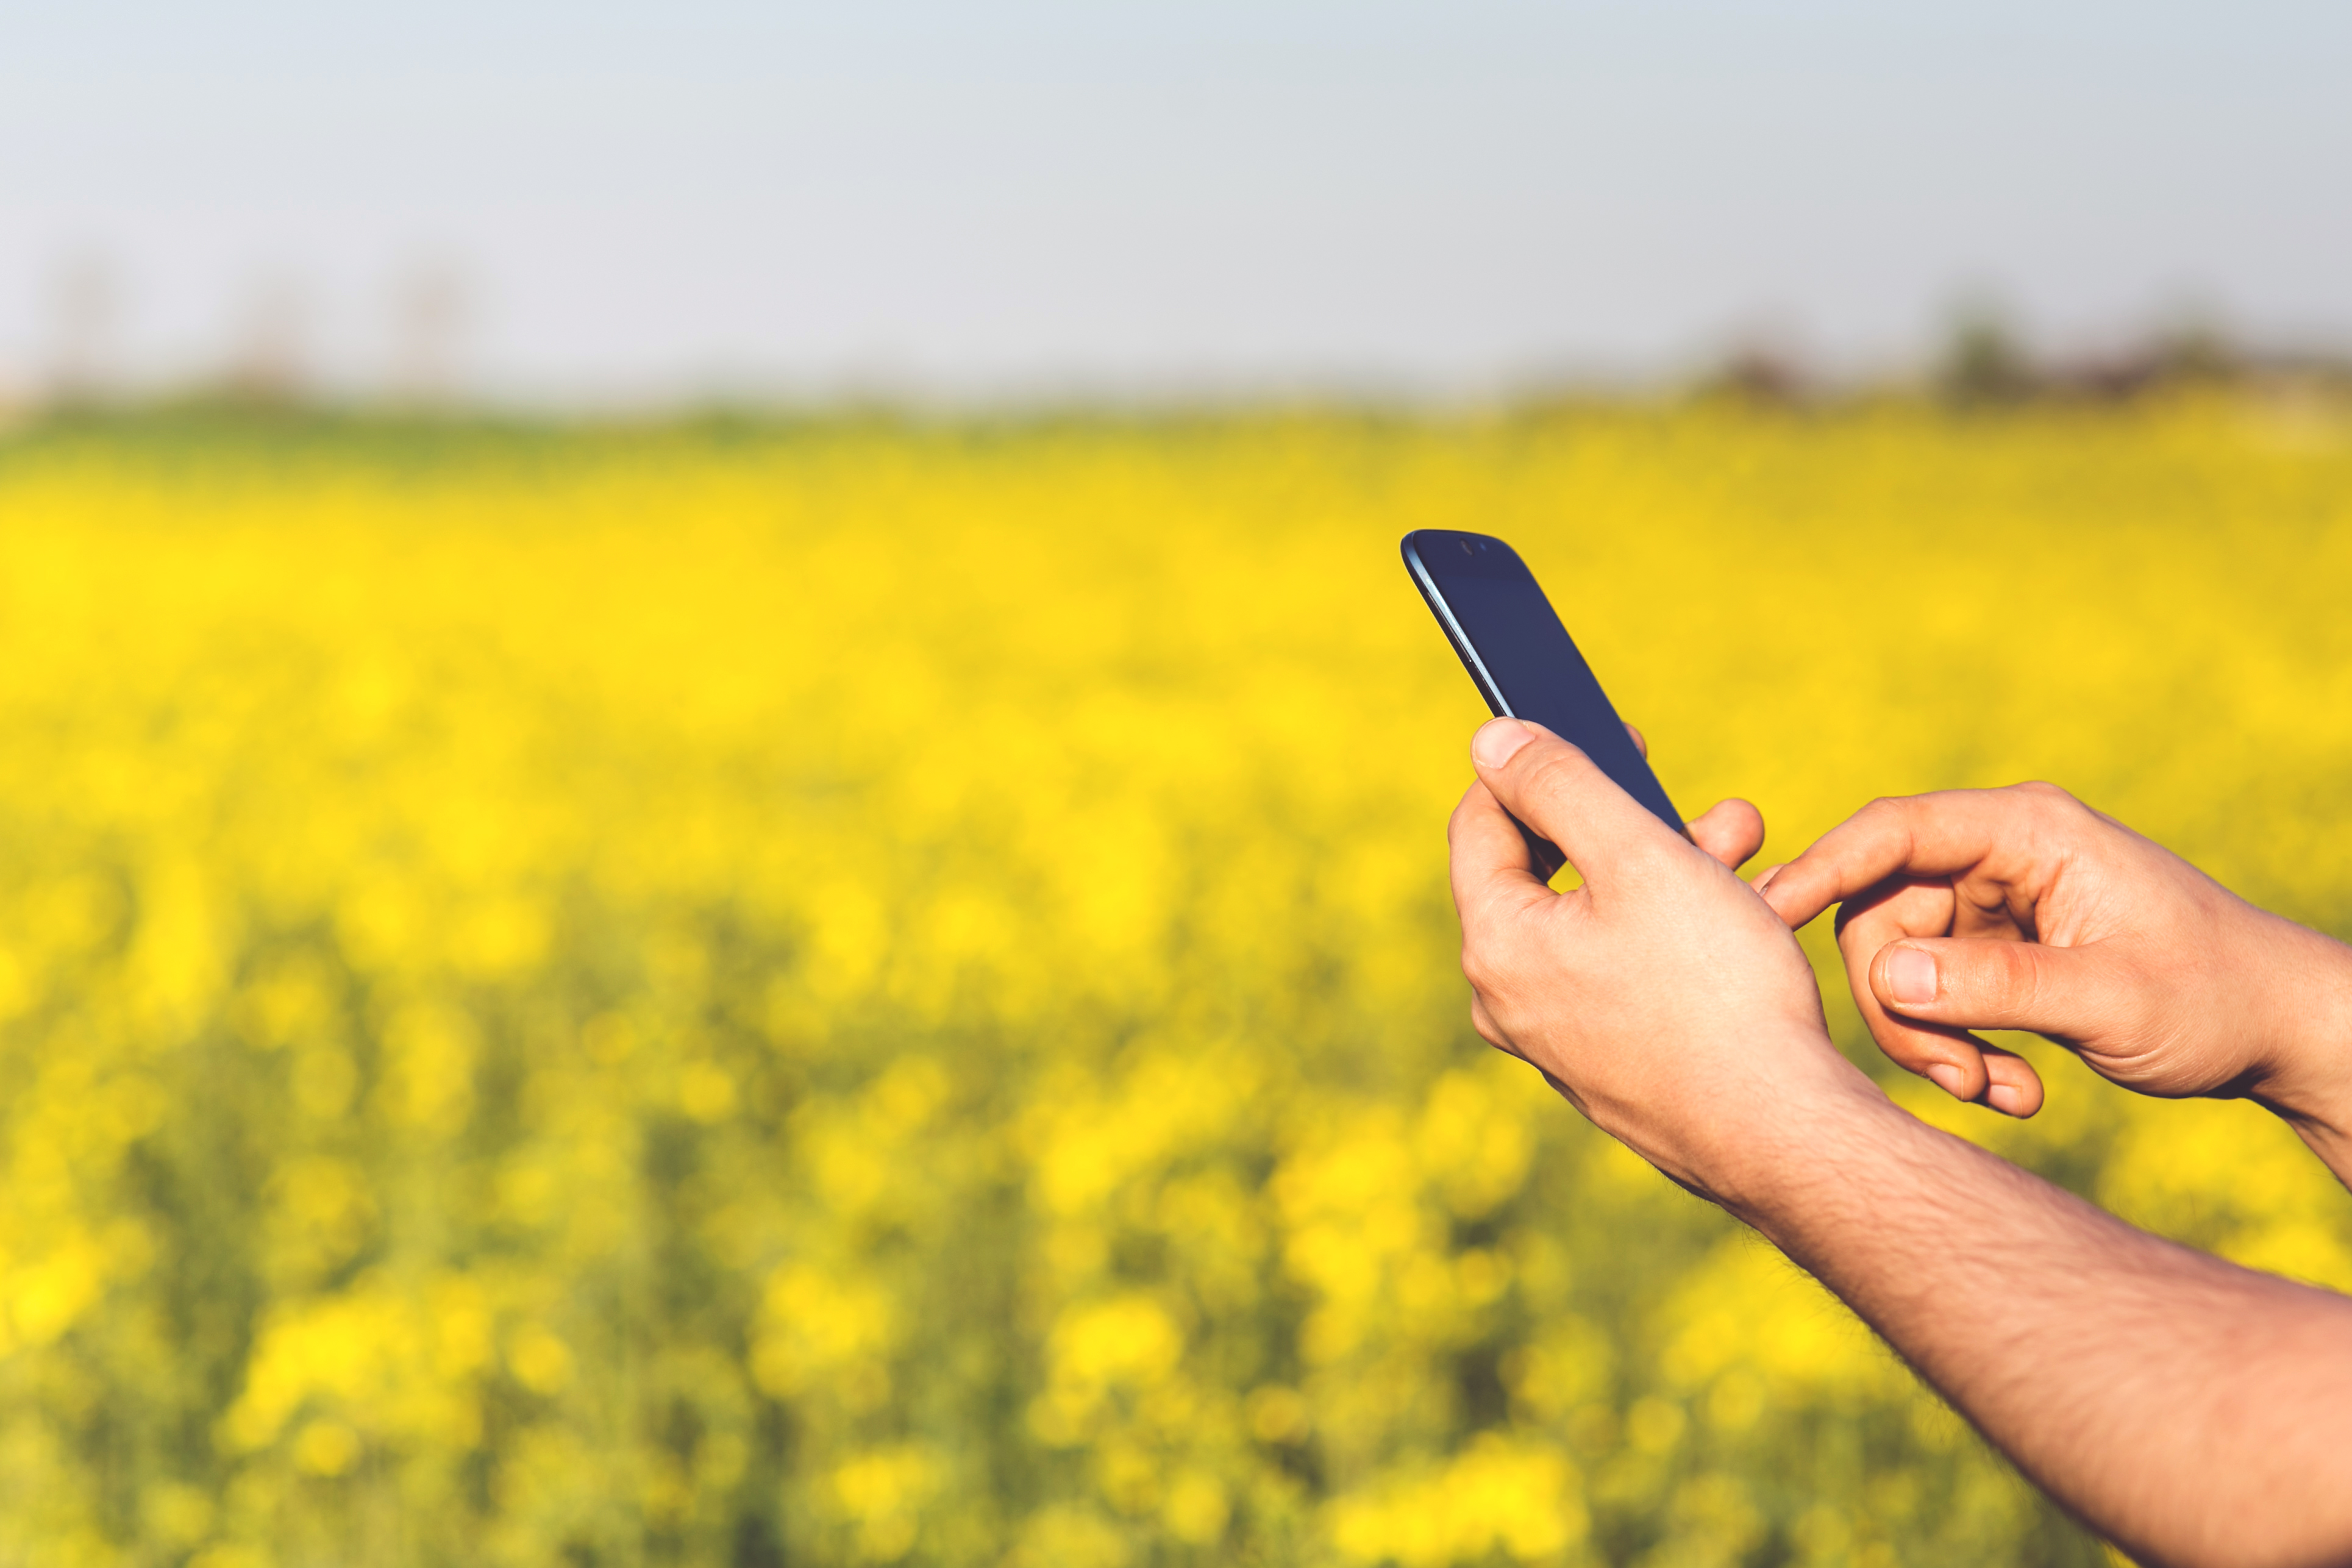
(1488, 862)
(1938, 835)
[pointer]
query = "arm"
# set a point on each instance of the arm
(2195, 1412)
(2191, 1411)
(2023, 908)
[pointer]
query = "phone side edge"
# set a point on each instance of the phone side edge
(1542, 853)
(1433, 597)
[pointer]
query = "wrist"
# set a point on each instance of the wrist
(2308, 1078)
(1777, 1166)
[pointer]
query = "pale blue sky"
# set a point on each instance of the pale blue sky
(1043, 195)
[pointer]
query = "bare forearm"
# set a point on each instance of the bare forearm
(2193, 1411)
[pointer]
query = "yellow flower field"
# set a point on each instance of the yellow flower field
(859, 994)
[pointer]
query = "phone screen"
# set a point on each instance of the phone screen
(1522, 658)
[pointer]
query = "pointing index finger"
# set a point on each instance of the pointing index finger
(1937, 834)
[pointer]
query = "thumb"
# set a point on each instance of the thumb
(1562, 794)
(2070, 993)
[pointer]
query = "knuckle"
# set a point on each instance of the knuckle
(1479, 967)
(1888, 817)
(2016, 977)
(2049, 799)
(1543, 774)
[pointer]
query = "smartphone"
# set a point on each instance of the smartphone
(1525, 665)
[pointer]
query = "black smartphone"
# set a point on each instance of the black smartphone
(1525, 665)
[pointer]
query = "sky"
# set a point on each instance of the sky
(1044, 198)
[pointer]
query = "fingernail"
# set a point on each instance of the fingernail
(1764, 877)
(1948, 1078)
(1911, 977)
(1498, 740)
(2006, 1099)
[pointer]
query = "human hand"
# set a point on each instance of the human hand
(2024, 908)
(1662, 997)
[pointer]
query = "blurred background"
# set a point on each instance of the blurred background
(594, 204)
(721, 814)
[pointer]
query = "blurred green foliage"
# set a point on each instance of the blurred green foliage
(866, 993)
